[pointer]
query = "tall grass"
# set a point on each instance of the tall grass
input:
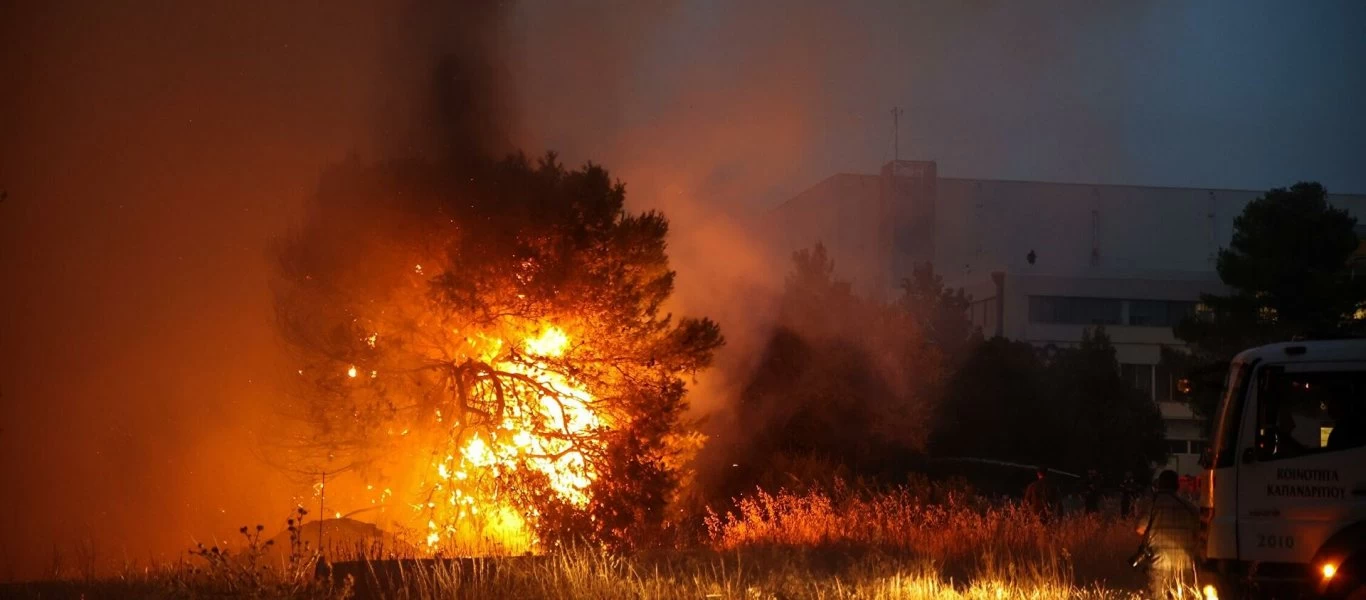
(902, 543)
(961, 535)
(771, 574)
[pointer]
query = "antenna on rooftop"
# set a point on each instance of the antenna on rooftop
(896, 135)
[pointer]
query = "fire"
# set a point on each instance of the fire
(467, 500)
(493, 360)
(552, 342)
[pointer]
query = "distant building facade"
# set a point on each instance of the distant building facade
(1042, 261)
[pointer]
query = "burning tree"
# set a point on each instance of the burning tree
(490, 340)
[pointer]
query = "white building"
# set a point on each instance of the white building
(1042, 261)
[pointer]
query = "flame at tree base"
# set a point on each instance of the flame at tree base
(501, 531)
(471, 505)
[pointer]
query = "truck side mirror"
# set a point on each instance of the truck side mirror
(1264, 449)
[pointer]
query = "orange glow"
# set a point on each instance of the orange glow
(466, 500)
(1329, 570)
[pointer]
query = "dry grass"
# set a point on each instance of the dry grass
(897, 544)
(960, 535)
(756, 575)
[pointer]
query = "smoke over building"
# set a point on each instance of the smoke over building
(1042, 261)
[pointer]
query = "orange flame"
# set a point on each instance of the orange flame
(467, 503)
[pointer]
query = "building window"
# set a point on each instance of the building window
(1147, 312)
(1158, 313)
(1198, 447)
(1164, 384)
(1177, 447)
(1065, 310)
(982, 313)
(1139, 376)
(1071, 310)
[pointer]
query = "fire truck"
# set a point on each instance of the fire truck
(1284, 508)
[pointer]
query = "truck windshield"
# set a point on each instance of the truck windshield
(1230, 415)
(1308, 411)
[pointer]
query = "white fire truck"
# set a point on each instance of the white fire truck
(1284, 513)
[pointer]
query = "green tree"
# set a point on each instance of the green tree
(1288, 274)
(487, 339)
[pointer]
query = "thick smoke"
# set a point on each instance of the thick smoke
(448, 91)
(150, 155)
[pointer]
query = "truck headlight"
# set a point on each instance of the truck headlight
(1328, 570)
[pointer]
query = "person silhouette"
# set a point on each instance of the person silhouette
(1171, 536)
(1041, 497)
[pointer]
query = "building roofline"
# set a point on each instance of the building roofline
(1331, 194)
(818, 184)
(1133, 186)
(1016, 272)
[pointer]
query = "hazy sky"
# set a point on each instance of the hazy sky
(1208, 94)
(152, 149)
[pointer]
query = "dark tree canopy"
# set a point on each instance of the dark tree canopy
(942, 313)
(1072, 412)
(1287, 263)
(491, 337)
(996, 406)
(1288, 273)
(1105, 422)
(843, 382)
